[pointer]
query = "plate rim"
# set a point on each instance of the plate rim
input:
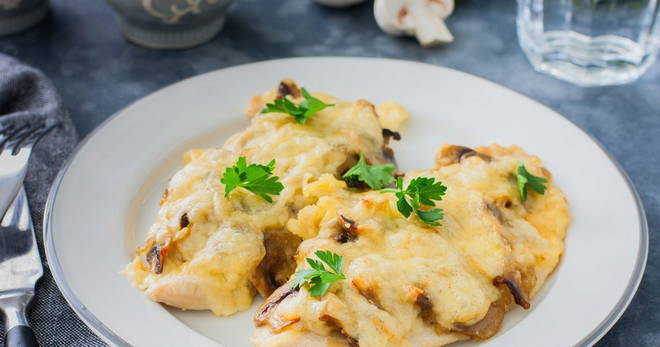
(109, 336)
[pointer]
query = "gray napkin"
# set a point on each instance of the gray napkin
(26, 94)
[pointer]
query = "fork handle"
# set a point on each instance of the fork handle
(21, 336)
(19, 333)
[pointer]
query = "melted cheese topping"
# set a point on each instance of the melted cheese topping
(409, 284)
(205, 248)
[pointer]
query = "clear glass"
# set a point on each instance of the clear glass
(590, 42)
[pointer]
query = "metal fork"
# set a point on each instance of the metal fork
(16, 144)
(20, 269)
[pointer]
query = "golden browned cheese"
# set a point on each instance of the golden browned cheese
(409, 284)
(206, 251)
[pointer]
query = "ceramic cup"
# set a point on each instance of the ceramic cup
(170, 24)
(18, 15)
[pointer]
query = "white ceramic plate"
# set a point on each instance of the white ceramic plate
(104, 199)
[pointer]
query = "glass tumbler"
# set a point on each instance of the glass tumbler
(590, 42)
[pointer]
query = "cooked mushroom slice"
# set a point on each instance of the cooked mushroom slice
(425, 308)
(513, 281)
(487, 326)
(348, 230)
(349, 162)
(496, 212)
(156, 257)
(288, 87)
(421, 18)
(184, 222)
(389, 134)
(266, 309)
(388, 153)
(452, 154)
(278, 264)
(336, 326)
(368, 292)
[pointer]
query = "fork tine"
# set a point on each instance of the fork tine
(12, 134)
(24, 136)
(7, 128)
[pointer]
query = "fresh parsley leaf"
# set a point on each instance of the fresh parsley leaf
(318, 277)
(254, 177)
(301, 112)
(375, 176)
(421, 191)
(526, 179)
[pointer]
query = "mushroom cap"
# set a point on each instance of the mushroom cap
(420, 18)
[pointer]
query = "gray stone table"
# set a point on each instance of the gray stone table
(80, 47)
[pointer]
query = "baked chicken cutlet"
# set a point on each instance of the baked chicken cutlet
(208, 250)
(407, 283)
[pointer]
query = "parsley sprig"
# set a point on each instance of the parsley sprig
(301, 112)
(526, 179)
(256, 178)
(318, 277)
(375, 176)
(421, 191)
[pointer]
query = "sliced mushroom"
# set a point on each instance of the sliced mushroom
(156, 257)
(389, 134)
(347, 231)
(368, 292)
(452, 154)
(425, 308)
(278, 264)
(513, 281)
(266, 309)
(288, 87)
(423, 19)
(184, 222)
(351, 159)
(388, 153)
(487, 326)
(497, 213)
(336, 326)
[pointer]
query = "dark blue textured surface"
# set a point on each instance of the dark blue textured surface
(79, 46)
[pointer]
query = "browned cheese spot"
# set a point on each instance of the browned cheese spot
(163, 197)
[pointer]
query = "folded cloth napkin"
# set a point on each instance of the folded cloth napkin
(26, 94)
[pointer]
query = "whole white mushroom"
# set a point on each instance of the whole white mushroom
(423, 19)
(339, 3)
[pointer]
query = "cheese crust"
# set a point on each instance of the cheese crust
(409, 284)
(206, 251)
